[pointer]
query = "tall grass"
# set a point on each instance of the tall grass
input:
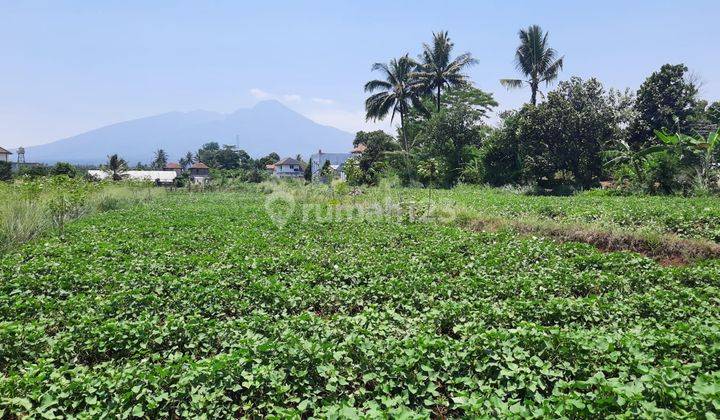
(28, 208)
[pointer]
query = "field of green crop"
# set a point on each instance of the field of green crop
(197, 304)
(697, 217)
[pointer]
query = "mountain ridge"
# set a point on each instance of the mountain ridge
(267, 127)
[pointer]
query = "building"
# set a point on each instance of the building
(158, 177)
(199, 172)
(5, 155)
(172, 166)
(289, 168)
(337, 160)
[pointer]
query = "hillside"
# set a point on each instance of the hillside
(267, 127)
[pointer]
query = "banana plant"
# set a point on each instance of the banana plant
(700, 153)
(624, 154)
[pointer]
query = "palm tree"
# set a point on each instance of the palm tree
(535, 60)
(437, 71)
(160, 160)
(116, 166)
(186, 161)
(398, 92)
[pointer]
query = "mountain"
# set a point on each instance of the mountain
(267, 127)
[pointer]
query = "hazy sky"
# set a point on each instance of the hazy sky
(71, 66)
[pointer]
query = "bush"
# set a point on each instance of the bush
(5, 171)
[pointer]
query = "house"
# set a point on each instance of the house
(5, 155)
(289, 168)
(199, 172)
(172, 166)
(158, 177)
(337, 160)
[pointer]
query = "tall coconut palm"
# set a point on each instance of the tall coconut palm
(397, 93)
(437, 70)
(535, 60)
(116, 166)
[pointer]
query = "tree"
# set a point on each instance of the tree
(160, 160)
(696, 152)
(624, 154)
(535, 60)
(665, 101)
(63, 168)
(267, 160)
(187, 161)
(713, 113)
(399, 92)
(206, 154)
(5, 171)
(116, 166)
(565, 134)
(437, 70)
(499, 152)
(451, 137)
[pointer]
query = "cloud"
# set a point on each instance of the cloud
(323, 101)
(291, 98)
(263, 95)
(350, 121)
(259, 94)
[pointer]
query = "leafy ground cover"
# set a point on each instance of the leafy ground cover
(29, 207)
(690, 217)
(199, 304)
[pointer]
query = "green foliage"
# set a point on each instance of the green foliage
(446, 137)
(535, 60)
(63, 168)
(665, 101)
(226, 157)
(398, 93)
(566, 133)
(116, 167)
(438, 71)
(33, 171)
(500, 152)
(160, 160)
(5, 171)
(197, 305)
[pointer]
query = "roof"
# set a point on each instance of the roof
(5, 152)
(360, 148)
(173, 165)
(288, 161)
(271, 167)
(163, 176)
(199, 165)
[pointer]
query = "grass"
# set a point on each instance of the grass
(199, 304)
(32, 207)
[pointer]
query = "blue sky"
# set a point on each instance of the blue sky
(71, 66)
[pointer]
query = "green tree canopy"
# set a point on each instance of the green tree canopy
(566, 133)
(665, 101)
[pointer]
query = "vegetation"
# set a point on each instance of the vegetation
(578, 136)
(30, 207)
(535, 60)
(190, 305)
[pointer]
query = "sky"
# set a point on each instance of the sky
(71, 66)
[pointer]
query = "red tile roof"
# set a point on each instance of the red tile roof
(173, 165)
(359, 148)
(199, 165)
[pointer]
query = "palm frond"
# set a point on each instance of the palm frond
(511, 83)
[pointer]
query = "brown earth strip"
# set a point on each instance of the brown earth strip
(666, 249)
